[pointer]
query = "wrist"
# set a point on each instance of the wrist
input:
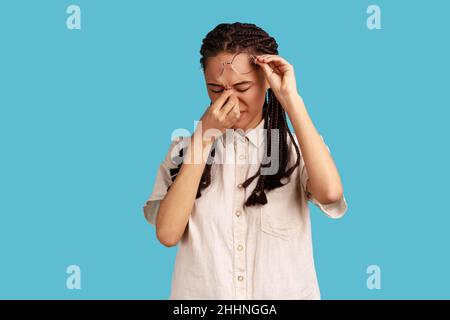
(199, 136)
(291, 101)
(197, 151)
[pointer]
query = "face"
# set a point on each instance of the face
(246, 81)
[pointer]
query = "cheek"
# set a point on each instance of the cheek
(213, 96)
(253, 100)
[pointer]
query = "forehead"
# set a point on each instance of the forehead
(212, 74)
(225, 56)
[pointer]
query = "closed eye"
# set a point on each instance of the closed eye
(218, 91)
(240, 86)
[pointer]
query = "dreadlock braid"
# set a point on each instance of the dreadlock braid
(205, 180)
(233, 38)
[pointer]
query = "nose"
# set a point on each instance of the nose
(234, 92)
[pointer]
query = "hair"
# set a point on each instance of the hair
(233, 38)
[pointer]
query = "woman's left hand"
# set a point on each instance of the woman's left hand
(280, 75)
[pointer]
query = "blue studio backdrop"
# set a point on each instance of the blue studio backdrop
(86, 117)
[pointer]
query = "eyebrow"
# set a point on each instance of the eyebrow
(237, 83)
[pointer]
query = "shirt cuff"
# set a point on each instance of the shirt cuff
(334, 210)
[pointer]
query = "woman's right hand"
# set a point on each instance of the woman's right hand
(176, 206)
(222, 113)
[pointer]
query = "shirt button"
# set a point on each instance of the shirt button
(239, 185)
(240, 278)
(242, 156)
(240, 247)
(243, 139)
(238, 212)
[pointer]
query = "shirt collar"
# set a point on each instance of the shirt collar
(254, 135)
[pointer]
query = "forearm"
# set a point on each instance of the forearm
(324, 179)
(176, 207)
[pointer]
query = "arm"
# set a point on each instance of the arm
(176, 207)
(324, 181)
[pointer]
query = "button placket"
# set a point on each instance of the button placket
(240, 220)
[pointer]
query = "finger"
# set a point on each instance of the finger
(232, 101)
(264, 56)
(276, 61)
(277, 65)
(221, 100)
(234, 113)
(266, 68)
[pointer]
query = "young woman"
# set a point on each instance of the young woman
(243, 226)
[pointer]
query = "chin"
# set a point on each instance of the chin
(242, 122)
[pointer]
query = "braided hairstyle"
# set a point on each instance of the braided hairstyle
(238, 37)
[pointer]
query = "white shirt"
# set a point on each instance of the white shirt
(229, 251)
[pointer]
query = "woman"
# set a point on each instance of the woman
(243, 226)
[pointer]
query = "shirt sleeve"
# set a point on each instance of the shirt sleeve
(335, 209)
(162, 182)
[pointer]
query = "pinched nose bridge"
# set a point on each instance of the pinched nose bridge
(229, 66)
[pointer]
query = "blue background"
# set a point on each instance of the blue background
(86, 117)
